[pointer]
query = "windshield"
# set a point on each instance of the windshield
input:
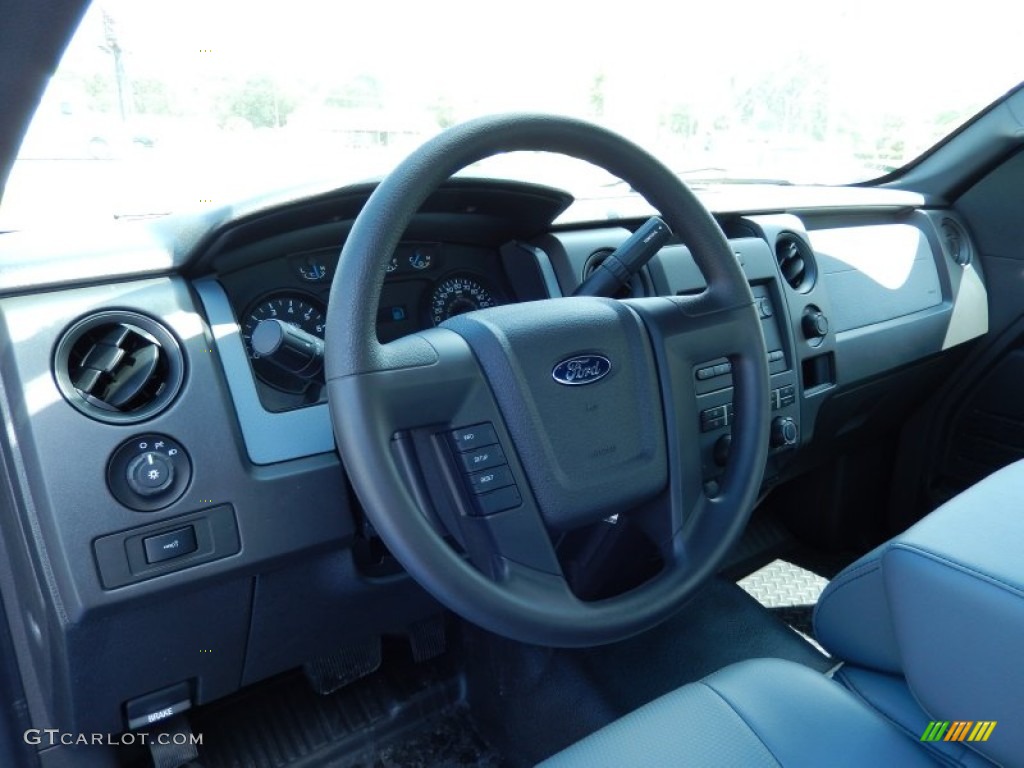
(165, 106)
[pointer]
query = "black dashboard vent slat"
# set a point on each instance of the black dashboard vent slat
(118, 367)
(796, 261)
(135, 381)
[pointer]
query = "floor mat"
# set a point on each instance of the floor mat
(406, 715)
(788, 591)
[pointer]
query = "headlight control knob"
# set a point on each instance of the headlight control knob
(149, 472)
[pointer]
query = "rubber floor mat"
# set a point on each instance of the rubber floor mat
(405, 715)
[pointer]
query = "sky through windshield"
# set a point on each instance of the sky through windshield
(161, 106)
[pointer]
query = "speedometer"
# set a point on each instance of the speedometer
(300, 310)
(458, 295)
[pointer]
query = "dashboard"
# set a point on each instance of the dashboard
(126, 345)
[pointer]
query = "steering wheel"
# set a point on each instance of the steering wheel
(422, 422)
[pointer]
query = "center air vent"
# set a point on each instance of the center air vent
(634, 289)
(118, 367)
(796, 262)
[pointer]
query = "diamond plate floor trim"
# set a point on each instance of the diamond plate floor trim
(788, 591)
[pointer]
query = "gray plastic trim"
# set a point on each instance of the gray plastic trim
(269, 437)
(547, 271)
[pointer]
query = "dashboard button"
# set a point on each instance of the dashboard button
(723, 368)
(498, 501)
(705, 373)
(483, 458)
(491, 479)
(477, 436)
(170, 545)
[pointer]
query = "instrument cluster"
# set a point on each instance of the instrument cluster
(425, 284)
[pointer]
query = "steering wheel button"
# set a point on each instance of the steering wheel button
(468, 438)
(483, 458)
(498, 501)
(491, 479)
(705, 373)
(711, 425)
(711, 414)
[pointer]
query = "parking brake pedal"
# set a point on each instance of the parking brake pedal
(346, 665)
(175, 749)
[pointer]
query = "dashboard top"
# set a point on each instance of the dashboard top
(198, 242)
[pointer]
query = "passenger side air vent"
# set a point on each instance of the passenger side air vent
(118, 367)
(634, 289)
(957, 244)
(796, 261)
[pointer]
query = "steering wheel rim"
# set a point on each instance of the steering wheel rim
(383, 425)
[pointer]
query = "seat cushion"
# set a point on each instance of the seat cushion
(763, 712)
(891, 697)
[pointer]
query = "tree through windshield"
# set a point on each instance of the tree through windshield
(159, 107)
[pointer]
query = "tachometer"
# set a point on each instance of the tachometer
(458, 295)
(298, 309)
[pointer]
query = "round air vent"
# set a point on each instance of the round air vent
(118, 367)
(957, 244)
(796, 261)
(635, 288)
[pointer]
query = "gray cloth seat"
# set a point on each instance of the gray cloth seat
(930, 626)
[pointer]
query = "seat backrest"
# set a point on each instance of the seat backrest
(943, 605)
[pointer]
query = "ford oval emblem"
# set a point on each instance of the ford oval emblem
(582, 369)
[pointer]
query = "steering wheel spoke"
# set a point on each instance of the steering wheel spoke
(509, 544)
(688, 332)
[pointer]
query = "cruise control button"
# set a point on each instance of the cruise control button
(712, 424)
(483, 458)
(468, 438)
(713, 413)
(498, 501)
(170, 545)
(491, 479)
(705, 373)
